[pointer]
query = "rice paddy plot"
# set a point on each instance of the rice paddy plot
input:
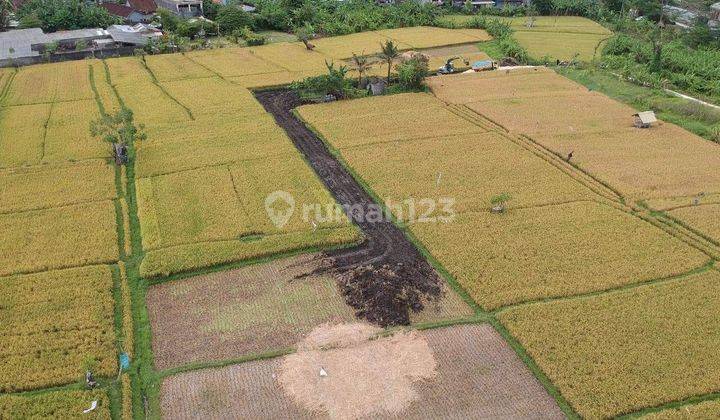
(374, 124)
(419, 37)
(56, 325)
(265, 80)
(209, 142)
(38, 187)
(515, 84)
(702, 410)
(68, 136)
(573, 24)
(33, 85)
(150, 104)
(672, 203)
(214, 97)
(73, 81)
(468, 169)
(183, 258)
(553, 251)
(190, 206)
(561, 45)
(128, 71)
(292, 57)
(705, 219)
(60, 237)
(376, 106)
(232, 62)
(168, 67)
(620, 352)
(463, 360)
(361, 43)
(662, 161)
(581, 113)
(56, 404)
(22, 134)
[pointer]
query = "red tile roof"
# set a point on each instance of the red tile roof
(143, 6)
(117, 9)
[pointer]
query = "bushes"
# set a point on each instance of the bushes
(54, 15)
(333, 83)
(411, 74)
(231, 18)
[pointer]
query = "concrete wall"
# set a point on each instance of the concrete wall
(67, 56)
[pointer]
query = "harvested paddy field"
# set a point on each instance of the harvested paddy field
(620, 352)
(475, 374)
(258, 309)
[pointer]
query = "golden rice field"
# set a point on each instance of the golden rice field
(561, 45)
(55, 404)
(661, 162)
(53, 324)
(613, 313)
(619, 352)
(33, 187)
(366, 121)
(559, 250)
(204, 172)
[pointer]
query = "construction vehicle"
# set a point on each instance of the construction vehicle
(449, 68)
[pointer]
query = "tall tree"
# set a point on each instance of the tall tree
(6, 8)
(389, 53)
(361, 65)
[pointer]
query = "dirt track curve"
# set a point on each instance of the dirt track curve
(386, 276)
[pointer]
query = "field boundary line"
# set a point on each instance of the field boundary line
(61, 206)
(709, 265)
(588, 180)
(215, 165)
(686, 402)
(217, 364)
(162, 88)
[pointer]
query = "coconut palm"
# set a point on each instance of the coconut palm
(361, 65)
(389, 53)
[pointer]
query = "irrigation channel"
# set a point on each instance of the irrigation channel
(385, 277)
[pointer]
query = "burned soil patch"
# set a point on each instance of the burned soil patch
(255, 309)
(385, 279)
(476, 375)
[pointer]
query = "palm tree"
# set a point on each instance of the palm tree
(389, 54)
(362, 65)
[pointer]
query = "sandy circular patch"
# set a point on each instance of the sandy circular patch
(361, 375)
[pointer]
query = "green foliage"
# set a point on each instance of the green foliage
(211, 9)
(118, 128)
(231, 18)
(500, 199)
(54, 15)
(411, 74)
(330, 17)
(250, 37)
(168, 20)
(334, 83)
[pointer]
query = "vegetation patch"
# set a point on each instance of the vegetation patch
(705, 218)
(38, 187)
(620, 352)
(55, 326)
(559, 250)
(57, 404)
(470, 169)
(58, 238)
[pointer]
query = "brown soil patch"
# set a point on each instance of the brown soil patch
(255, 309)
(477, 376)
(363, 377)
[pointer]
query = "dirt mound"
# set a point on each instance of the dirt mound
(358, 376)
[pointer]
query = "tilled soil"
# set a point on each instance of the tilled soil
(477, 375)
(385, 278)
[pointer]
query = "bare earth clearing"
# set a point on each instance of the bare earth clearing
(476, 375)
(255, 309)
